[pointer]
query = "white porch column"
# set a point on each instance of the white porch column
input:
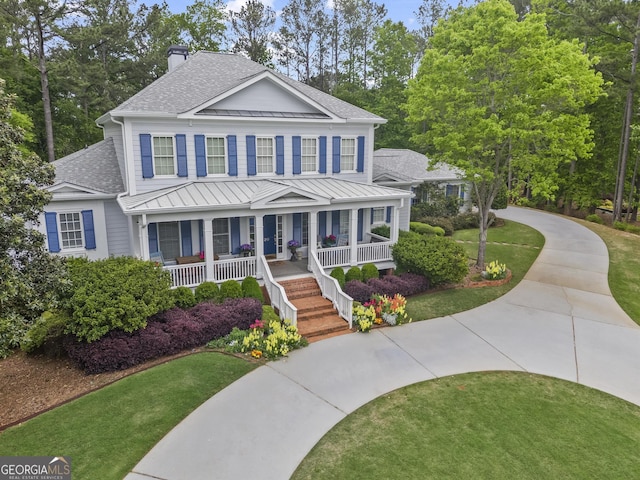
(395, 223)
(143, 234)
(259, 240)
(208, 249)
(313, 237)
(353, 236)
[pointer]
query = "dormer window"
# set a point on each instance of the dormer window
(216, 157)
(163, 156)
(264, 155)
(348, 154)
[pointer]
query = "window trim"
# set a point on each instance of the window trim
(213, 234)
(60, 231)
(226, 154)
(383, 217)
(273, 155)
(355, 155)
(179, 238)
(316, 168)
(153, 155)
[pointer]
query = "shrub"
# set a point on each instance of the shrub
(207, 292)
(360, 292)
(443, 222)
(466, 221)
(251, 289)
(415, 283)
(47, 331)
(230, 289)
(369, 271)
(627, 227)
(269, 314)
(426, 229)
(594, 218)
(167, 333)
(382, 287)
(354, 273)
(440, 259)
(338, 274)
(183, 297)
(382, 230)
(117, 293)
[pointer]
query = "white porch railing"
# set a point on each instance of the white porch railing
(374, 252)
(277, 294)
(193, 274)
(334, 256)
(331, 290)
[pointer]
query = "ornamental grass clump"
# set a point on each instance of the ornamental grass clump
(495, 271)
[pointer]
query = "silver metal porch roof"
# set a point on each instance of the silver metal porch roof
(256, 194)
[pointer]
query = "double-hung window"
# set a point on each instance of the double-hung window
(216, 158)
(221, 236)
(169, 239)
(309, 155)
(347, 154)
(264, 155)
(71, 230)
(345, 222)
(378, 215)
(163, 156)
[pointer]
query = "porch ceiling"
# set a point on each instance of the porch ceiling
(256, 194)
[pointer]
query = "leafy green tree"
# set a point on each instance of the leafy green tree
(30, 278)
(203, 25)
(497, 95)
(252, 27)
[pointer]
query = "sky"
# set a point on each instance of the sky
(397, 10)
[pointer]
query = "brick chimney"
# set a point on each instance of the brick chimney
(176, 54)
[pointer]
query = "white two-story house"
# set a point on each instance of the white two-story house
(215, 167)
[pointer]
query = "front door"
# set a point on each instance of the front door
(270, 237)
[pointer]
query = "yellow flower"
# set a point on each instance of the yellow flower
(256, 353)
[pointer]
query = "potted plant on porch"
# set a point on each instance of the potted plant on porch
(293, 248)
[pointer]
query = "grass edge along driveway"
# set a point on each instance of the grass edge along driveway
(108, 431)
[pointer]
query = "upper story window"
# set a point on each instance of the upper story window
(71, 230)
(264, 155)
(216, 158)
(163, 156)
(309, 155)
(348, 154)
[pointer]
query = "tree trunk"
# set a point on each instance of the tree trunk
(626, 130)
(44, 82)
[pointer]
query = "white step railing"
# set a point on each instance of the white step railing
(374, 252)
(277, 294)
(193, 274)
(331, 290)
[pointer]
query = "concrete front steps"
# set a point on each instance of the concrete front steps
(317, 319)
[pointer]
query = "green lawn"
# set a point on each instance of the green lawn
(108, 431)
(624, 266)
(499, 425)
(514, 244)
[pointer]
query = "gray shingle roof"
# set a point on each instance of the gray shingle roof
(409, 166)
(242, 193)
(206, 75)
(95, 167)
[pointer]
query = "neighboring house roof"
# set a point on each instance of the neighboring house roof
(255, 194)
(409, 167)
(207, 75)
(95, 168)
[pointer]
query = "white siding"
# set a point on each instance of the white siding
(115, 132)
(117, 230)
(264, 96)
(241, 130)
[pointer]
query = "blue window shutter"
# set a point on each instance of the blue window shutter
(448, 190)
(360, 167)
(336, 154)
(152, 232)
(89, 231)
(181, 153)
(462, 192)
(322, 224)
(232, 155)
(279, 155)
(360, 224)
(371, 216)
(297, 155)
(147, 156)
(185, 234)
(297, 227)
(335, 222)
(388, 214)
(201, 156)
(251, 154)
(51, 221)
(323, 155)
(235, 235)
(201, 234)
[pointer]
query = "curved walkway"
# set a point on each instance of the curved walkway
(559, 321)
